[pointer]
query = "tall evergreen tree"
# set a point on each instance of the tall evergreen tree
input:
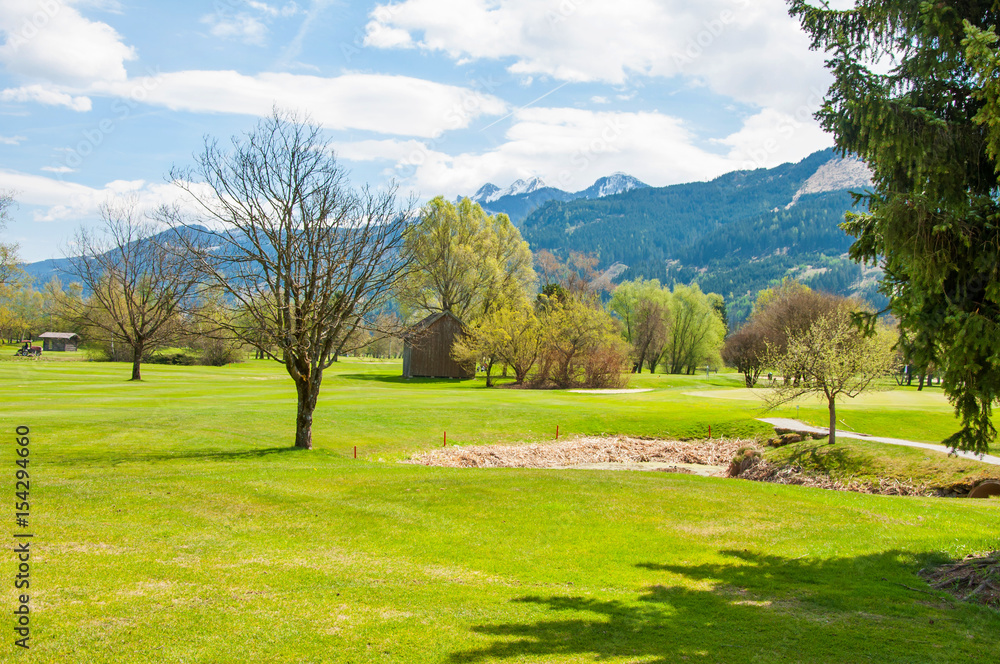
(933, 212)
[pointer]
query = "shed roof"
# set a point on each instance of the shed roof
(430, 320)
(59, 335)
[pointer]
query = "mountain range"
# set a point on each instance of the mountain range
(733, 235)
(525, 196)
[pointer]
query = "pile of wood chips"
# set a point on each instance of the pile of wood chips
(617, 449)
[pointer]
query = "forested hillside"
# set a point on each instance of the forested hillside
(734, 235)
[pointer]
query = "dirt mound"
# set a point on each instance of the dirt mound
(618, 449)
(760, 470)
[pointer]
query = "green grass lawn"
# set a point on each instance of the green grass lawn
(173, 523)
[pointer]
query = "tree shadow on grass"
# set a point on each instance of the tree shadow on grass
(119, 458)
(753, 608)
(830, 459)
(399, 380)
(235, 455)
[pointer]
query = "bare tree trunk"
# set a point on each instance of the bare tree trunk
(921, 385)
(489, 372)
(308, 391)
(136, 362)
(833, 421)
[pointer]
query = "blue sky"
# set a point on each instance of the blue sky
(100, 98)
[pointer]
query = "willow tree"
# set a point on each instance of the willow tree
(697, 331)
(644, 310)
(927, 128)
(301, 259)
(465, 262)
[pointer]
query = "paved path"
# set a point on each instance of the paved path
(795, 425)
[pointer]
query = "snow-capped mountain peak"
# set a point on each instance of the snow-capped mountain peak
(484, 193)
(520, 187)
(489, 192)
(616, 183)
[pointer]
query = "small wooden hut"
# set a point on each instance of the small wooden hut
(59, 341)
(427, 349)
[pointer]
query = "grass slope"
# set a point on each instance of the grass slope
(173, 524)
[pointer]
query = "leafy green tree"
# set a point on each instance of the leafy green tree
(511, 335)
(928, 129)
(581, 345)
(465, 262)
(697, 332)
(644, 310)
(20, 310)
(8, 252)
(779, 313)
(832, 358)
(59, 304)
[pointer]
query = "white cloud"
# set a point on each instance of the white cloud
(771, 137)
(379, 35)
(752, 51)
(568, 148)
(12, 140)
(241, 27)
(245, 26)
(571, 148)
(44, 94)
(384, 150)
(273, 11)
(61, 200)
(58, 169)
(50, 41)
(387, 104)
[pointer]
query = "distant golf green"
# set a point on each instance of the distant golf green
(173, 522)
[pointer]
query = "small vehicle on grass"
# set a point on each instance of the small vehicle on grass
(27, 350)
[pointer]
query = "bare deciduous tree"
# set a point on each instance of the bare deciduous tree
(137, 283)
(303, 260)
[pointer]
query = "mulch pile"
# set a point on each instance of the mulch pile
(972, 579)
(618, 449)
(760, 470)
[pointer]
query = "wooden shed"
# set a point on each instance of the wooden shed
(428, 345)
(59, 341)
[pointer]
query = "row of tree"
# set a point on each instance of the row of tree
(680, 329)
(478, 268)
(810, 340)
